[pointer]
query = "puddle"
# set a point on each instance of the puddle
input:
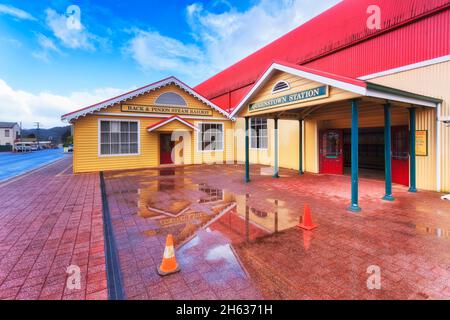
(169, 202)
(437, 232)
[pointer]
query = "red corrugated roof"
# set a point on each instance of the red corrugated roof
(328, 35)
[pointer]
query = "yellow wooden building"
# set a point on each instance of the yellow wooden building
(164, 123)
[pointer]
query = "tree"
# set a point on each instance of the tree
(31, 135)
(67, 138)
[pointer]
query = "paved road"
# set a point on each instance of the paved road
(14, 164)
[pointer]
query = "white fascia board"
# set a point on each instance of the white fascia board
(307, 75)
(145, 90)
(406, 68)
(259, 83)
(399, 98)
(170, 120)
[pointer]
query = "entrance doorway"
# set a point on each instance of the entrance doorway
(166, 146)
(331, 158)
(400, 155)
(335, 152)
(370, 152)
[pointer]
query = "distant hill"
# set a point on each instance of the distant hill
(48, 134)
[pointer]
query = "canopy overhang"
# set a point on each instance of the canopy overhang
(359, 87)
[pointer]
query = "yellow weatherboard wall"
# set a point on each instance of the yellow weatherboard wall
(288, 129)
(329, 112)
(86, 137)
(296, 84)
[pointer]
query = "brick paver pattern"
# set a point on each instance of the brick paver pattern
(233, 240)
(255, 250)
(49, 220)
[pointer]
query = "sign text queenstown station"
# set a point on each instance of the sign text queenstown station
(310, 94)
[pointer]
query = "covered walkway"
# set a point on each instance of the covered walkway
(288, 91)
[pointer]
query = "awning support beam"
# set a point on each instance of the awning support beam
(300, 147)
(275, 165)
(412, 150)
(387, 153)
(247, 151)
(354, 207)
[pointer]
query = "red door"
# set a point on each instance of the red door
(165, 148)
(331, 158)
(400, 155)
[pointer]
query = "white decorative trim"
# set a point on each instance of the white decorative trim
(308, 75)
(122, 98)
(199, 133)
(117, 155)
(408, 67)
(163, 123)
(360, 90)
(146, 115)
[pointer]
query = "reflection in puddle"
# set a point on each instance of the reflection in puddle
(171, 203)
(437, 232)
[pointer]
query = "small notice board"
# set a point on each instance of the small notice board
(422, 143)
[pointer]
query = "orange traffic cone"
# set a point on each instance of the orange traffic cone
(307, 237)
(306, 222)
(169, 263)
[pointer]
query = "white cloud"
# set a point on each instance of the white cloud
(70, 37)
(221, 39)
(46, 46)
(156, 52)
(15, 12)
(46, 107)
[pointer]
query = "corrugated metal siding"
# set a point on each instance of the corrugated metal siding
(431, 81)
(423, 40)
(342, 26)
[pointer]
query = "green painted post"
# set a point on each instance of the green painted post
(275, 169)
(412, 150)
(247, 151)
(387, 153)
(354, 151)
(300, 147)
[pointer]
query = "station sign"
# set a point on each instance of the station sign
(165, 110)
(301, 96)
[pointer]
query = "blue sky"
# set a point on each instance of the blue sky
(51, 62)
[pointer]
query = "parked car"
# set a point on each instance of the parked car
(22, 147)
(70, 148)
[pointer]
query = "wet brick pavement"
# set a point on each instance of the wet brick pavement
(249, 248)
(49, 220)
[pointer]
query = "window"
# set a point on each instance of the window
(119, 137)
(170, 99)
(7, 133)
(258, 133)
(210, 137)
(280, 86)
(331, 144)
